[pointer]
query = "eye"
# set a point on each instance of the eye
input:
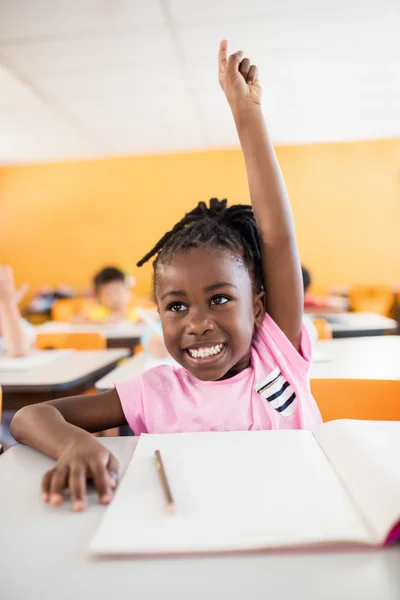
(218, 300)
(176, 307)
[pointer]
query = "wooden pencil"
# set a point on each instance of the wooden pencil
(164, 482)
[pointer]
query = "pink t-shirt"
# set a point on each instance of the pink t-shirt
(273, 393)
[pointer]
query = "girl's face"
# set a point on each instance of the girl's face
(208, 311)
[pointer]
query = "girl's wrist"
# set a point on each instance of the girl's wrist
(246, 110)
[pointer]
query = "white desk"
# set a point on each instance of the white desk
(358, 358)
(76, 371)
(361, 324)
(130, 368)
(44, 555)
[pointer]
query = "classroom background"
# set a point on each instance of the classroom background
(112, 126)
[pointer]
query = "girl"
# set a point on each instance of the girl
(215, 273)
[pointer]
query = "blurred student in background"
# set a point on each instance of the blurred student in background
(16, 334)
(112, 288)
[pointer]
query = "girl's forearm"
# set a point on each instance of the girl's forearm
(43, 427)
(267, 189)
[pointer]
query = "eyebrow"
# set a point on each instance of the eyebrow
(208, 289)
(173, 293)
(220, 284)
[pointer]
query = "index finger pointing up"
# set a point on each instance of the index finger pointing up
(223, 55)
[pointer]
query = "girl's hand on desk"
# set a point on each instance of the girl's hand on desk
(84, 457)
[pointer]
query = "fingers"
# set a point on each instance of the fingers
(58, 484)
(8, 272)
(77, 485)
(244, 67)
(22, 291)
(45, 494)
(112, 468)
(249, 71)
(252, 75)
(223, 55)
(102, 481)
(234, 62)
(74, 476)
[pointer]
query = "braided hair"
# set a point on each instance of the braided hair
(216, 226)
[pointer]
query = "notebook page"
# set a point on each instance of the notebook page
(233, 491)
(366, 455)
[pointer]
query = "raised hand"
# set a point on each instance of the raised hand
(238, 78)
(7, 288)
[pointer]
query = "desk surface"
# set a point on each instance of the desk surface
(44, 555)
(70, 370)
(359, 358)
(131, 368)
(349, 324)
(123, 330)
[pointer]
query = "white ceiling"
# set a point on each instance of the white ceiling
(83, 78)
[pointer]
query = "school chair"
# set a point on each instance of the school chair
(323, 329)
(364, 399)
(75, 341)
(375, 298)
(66, 308)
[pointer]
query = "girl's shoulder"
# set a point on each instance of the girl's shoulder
(270, 344)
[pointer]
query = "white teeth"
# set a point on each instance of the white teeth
(204, 352)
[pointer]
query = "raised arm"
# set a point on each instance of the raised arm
(280, 260)
(60, 429)
(16, 340)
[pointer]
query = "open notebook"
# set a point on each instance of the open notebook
(240, 491)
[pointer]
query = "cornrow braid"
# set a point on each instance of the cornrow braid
(217, 226)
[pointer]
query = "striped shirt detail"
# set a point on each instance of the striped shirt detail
(278, 392)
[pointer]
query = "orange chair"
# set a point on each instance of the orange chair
(65, 308)
(323, 329)
(365, 399)
(377, 298)
(76, 341)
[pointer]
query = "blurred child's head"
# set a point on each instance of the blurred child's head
(306, 279)
(208, 287)
(111, 289)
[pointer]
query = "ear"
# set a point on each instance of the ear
(259, 308)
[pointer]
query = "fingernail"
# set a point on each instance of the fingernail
(44, 496)
(78, 506)
(105, 499)
(55, 499)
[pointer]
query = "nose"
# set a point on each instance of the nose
(199, 323)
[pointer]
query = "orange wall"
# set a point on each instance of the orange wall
(60, 222)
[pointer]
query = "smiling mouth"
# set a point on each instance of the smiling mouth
(204, 352)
